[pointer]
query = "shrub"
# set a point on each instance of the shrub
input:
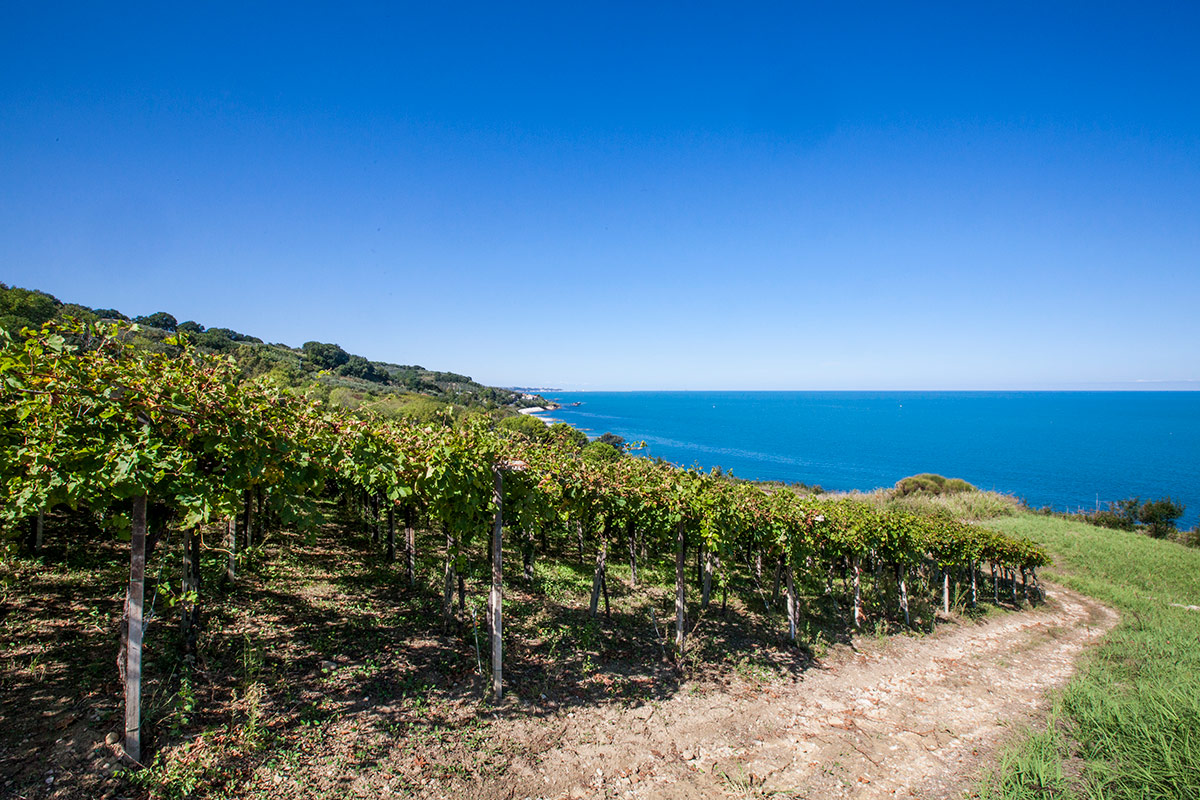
(563, 431)
(1159, 516)
(618, 442)
(1111, 518)
(601, 451)
(930, 483)
(527, 426)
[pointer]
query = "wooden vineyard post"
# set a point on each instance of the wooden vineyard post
(391, 536)
(189, 610)
(598, 575)
(496, 597)
(249, 520)
(631, 534)
(706, 579)
(527, 554)
(901, 578)
(448, 585)
(775, 585)
(39, 529)
(946, 589)
(133, 657)
(724, 587)
(231, 543)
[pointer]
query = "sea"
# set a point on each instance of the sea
(1069, 451)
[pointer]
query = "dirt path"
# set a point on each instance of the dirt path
(902, 717)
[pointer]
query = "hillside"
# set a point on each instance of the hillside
(318, 369)
(321, 608)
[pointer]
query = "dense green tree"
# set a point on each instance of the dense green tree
(561, 431)
(233, 335)
(321, 355)
(1159, 516)
(359, 367)
(25, 308)
(526, 425)
(601, 451)
(617, 442)
(110, 313)
(159, 319)
(222, 340)
(76, 311)
(190, 327)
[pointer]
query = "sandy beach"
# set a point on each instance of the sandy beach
(537, 411)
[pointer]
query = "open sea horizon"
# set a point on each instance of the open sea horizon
(1066, 450)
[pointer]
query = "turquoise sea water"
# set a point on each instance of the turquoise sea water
(1067, 450)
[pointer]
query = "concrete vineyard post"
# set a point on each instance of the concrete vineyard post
(495, 599)
(410, 545)
(858, 612)
(133, 611)
(680, 595)
(791, 603)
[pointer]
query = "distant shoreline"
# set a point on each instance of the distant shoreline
(537, 411)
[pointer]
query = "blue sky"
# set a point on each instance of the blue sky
(758, 196)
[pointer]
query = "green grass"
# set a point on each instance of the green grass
(1131, 716)
(966, 505)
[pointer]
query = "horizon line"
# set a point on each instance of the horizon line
(1139, 387)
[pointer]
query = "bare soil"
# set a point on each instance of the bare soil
(322, 674)
(897, 717)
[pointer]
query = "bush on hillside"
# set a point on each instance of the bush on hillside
(528, 426)
(1187, 538)
(1155, 518)
(1159, 517)
(563, 431)
(617, 442)
(601, 451)
(930, 483)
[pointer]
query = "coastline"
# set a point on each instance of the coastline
(537, 411)
(1062, 450)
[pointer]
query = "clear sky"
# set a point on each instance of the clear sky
(698, 195)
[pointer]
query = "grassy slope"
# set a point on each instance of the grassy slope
(1128, 725)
